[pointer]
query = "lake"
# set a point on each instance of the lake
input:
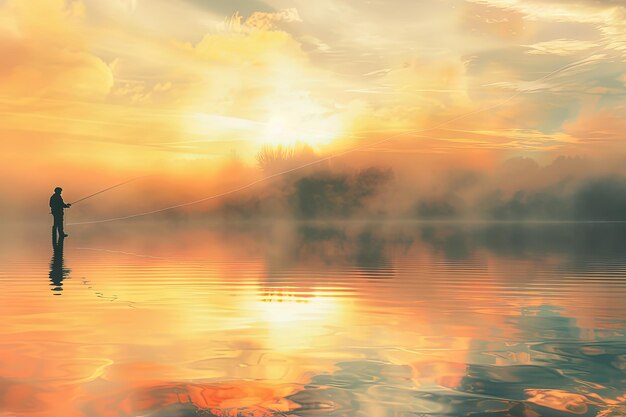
(314, 319)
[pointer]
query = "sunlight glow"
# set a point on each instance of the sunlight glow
(300, 121)
(294, 320)
(288, 308)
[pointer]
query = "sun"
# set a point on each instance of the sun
(300, 123)
(277, 127)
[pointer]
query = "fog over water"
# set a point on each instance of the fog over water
(297, 188)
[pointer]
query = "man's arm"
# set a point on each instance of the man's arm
(65, 205)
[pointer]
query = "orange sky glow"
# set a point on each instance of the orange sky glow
(100, 91)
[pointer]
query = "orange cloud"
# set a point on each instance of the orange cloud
(45, 53)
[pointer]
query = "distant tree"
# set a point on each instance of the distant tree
(328, 194)
(437, 208)
(601, 199)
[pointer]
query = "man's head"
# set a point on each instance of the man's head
(58, 190)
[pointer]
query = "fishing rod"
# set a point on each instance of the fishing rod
(102, 191)
(107, 189)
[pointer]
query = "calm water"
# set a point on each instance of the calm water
(315, 320)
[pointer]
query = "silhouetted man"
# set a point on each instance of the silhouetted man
(57, 206)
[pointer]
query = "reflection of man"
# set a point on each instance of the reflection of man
(58, 272)
(57, 205)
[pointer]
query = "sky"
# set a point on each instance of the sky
(95, 89)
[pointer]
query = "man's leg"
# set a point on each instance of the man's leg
(58, 223)
(62, 233)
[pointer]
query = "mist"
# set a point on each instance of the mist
(302, 185)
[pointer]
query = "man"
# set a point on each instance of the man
(57, 205)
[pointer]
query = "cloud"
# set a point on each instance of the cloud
(561, 47)
(605, 17)
(45, 53)
(558, 11)
(263, 20)
(481, 19)
(600, 129)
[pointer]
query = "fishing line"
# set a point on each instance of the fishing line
(336, 155)
(138, 255)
